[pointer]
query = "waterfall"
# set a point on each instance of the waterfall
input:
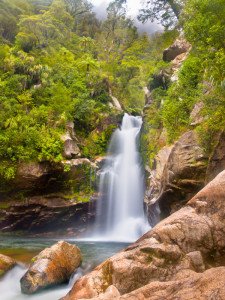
(120, 211)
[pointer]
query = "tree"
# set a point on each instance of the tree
(85, 21)
(10, 12)
(165, 11)
(41, 30)
(204, 27)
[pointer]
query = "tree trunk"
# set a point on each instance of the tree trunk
(175, 8)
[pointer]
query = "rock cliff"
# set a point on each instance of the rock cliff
(45, 198)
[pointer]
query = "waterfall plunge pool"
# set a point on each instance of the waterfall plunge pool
(120, 217)
(23, 249)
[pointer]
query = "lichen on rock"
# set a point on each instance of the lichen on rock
(52, 266)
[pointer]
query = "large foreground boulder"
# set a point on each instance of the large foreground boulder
(6, 263)
(181, 258)
(188, 285)
(52, 266)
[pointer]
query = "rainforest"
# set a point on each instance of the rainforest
(112, 149)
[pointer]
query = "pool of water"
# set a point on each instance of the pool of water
(23, 249)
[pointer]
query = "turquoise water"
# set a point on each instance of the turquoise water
(23, 249)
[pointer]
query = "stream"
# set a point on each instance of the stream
(23, 249)
(120, 217)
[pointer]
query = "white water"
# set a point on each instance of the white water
(10, 287)
(93, 255)
(120, 209)
(120, 212)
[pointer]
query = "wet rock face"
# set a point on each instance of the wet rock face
(31, 176)
(217, 159)
(45, 197)
(52, 266)
(45, 215)
(43, 177)
(182, 257)
(6, 263)
(178, 47)
(179, 174)
(71, 149)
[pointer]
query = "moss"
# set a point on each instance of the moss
(33, 259)
(97, 142)
(4, 205)
(79, 197)
(107, 275)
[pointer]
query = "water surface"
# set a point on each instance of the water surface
(23, 249)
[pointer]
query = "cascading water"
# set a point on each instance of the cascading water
(120, 212)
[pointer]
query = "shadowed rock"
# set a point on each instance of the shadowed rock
(52, 266)
(179, 174)
(179, 46)
(217, 159)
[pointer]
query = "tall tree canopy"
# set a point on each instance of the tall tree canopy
(167, 12)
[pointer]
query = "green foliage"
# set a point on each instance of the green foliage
(97, 142)
(150, 138)
(214, 118)
(49, 76)
(165, 11)
(50, 27)
(181, 98)
(204, 27)
(200, 79)
(58, 63)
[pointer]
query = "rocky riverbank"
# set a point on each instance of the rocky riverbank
(44, 198)
(182, 257)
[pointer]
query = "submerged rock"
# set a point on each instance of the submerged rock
(169, 261)
(52, 266)
(6, 263)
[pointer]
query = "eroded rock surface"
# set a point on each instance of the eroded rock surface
(70, 149)
(181, 258)
(47, 215)
(46, 198)
(52, 266)
(179, 174)
(178, 47)
(217, 159)
(6, 263)
(196, 117)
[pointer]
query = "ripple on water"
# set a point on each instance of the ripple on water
(23, 250)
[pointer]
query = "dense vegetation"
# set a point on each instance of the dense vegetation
(200, 80)
(59, 63)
